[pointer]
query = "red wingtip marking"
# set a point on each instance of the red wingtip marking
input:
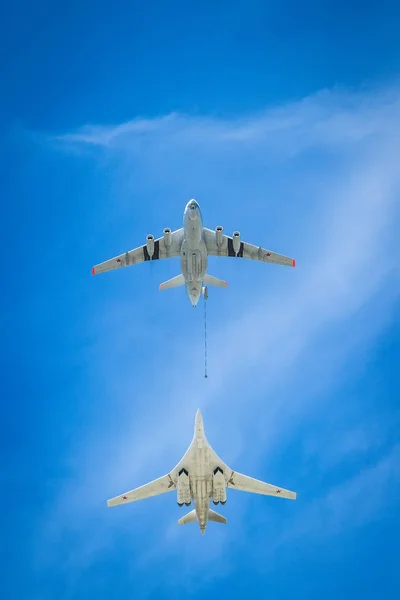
(92, 270)
(293, 262)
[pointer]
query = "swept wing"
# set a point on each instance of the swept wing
(248, 484)
(154, 488)
(246, 250)
(141, 254)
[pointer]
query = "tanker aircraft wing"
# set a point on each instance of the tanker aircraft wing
(219, 244)
(167, 246)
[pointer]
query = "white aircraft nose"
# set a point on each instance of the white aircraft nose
(199, 423)
(192, 209)
(199, 417)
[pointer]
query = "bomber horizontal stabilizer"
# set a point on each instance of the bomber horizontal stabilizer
(216, 517)
(189, 518)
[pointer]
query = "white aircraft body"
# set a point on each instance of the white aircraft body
(201, 476)
(193, 243)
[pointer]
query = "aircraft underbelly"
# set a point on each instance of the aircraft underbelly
(202, 484)
(193, 260)
(202, 497)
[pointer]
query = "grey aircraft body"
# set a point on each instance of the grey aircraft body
(193, 243)
(201, 476)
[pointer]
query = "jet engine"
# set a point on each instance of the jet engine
(184, 488)
(167, 238)
(218, 486)
(236, 241)
(150, 244)
(219, 235)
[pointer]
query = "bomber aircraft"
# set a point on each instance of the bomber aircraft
(201, 476)
(193, 243)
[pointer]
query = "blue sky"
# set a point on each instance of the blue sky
(284, 122)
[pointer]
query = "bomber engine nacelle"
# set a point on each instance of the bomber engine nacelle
(183, 488)
(219, 234)
(167, 238)
(150, 244)
(236, 241)
(218, 486)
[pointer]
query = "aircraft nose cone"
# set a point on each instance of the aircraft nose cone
(192, 207)
(199, 417)
(199, 426)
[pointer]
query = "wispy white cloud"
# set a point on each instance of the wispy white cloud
(329, 117)
(278, 348)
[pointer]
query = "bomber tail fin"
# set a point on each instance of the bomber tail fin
(216, 517)
(210, 280)
(189, 518)
(174, 282)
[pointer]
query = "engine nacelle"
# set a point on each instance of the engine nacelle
(218, 486)
(184, 496)
(219, 234)
(150, 244)
(167, 238)
(236, 241)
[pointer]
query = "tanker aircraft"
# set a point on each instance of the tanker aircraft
(201, 476)
(193, 243)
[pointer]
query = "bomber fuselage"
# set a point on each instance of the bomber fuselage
(198, 467)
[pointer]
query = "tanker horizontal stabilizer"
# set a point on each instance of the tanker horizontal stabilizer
(216, 517)
(189, 518)
(174, 282)
(210, 280)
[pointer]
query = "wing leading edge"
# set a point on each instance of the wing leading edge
(141, 254)
(246, 250)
